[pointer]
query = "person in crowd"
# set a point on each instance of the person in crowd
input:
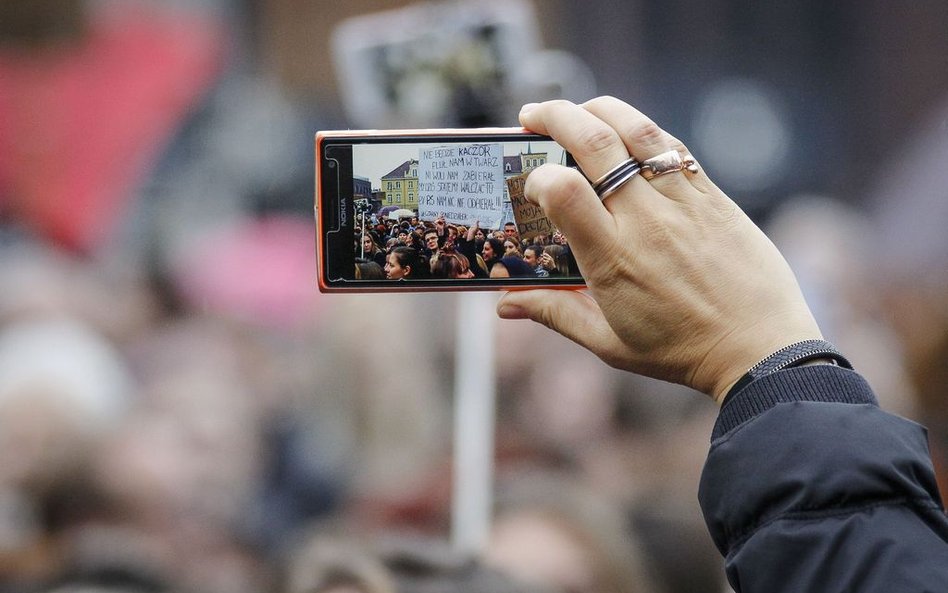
(369, 270)
(492, 251)
(542, 239)
(550, 257)
(452, 265)
(432, 246)
(532, 255)
(441, 226)
(451, 238)
(808, 486)
(512, 248)
(550, 530)
(395, 563)
(371, 250)
(414, 240)
(467, 245)
(512, 266)
(558, 260)
(402, 236)
(510, 231)
(401, 263)
(479, 238)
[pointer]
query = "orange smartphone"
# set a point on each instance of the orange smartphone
(442, 209)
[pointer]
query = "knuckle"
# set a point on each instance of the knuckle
(646, 133)
(544, 314)
(597, 140)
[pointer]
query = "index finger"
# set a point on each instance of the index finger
(594, 144)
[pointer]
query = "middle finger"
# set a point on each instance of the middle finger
(594, 144)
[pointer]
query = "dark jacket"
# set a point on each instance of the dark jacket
(810, 487)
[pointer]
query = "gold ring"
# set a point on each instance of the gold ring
(668, 162)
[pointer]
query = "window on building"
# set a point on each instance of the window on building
(389, 186)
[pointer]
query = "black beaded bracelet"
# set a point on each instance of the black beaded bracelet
(788, 357)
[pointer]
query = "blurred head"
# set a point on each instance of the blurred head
(549, 531)
(511, 247)
(369, 270)
(452, 265)
(396, 563)
(479, 236)
(512, 267)
(452, 237)
(510, 229)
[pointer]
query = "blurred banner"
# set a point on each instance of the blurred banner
(84, 120)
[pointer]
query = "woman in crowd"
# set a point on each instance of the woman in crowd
(492, 251)
(512, 266)
(512, 248)
(402, 263)
(368, 270)
(371, 250)
(557, 261)
(452, 265)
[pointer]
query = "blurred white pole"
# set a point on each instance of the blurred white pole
(474, 405)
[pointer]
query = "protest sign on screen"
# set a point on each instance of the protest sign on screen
(462, 182)
(530, 219)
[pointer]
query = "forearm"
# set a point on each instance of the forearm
(809, 486)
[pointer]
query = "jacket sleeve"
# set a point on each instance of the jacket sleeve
(809, 486)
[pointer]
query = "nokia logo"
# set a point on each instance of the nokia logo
(343, 214)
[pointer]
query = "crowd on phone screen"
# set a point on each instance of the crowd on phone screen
(415, 249)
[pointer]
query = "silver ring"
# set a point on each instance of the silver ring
(616, 177)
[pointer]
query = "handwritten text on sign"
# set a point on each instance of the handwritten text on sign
(465, 182)
(531, 221)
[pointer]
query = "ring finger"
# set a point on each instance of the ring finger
(644, 139)
(595, 144)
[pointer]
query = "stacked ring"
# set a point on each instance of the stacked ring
(616, 178)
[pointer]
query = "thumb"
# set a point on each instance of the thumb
(570, 313)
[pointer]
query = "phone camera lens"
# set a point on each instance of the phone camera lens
(332, 164)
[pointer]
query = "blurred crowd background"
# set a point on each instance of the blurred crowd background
(180, 410)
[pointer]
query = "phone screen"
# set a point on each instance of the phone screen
(438, 211)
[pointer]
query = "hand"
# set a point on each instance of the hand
(546, 260)
(682, 285)
(472, 231)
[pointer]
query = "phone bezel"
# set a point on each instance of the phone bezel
(333, 202)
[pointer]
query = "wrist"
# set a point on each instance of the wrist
(801, 353)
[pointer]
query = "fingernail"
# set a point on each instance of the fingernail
(528, 107)
(511, 311)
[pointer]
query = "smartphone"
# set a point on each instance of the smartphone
(429, 210)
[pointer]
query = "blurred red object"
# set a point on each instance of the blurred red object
(261, 271)
(81, 123)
